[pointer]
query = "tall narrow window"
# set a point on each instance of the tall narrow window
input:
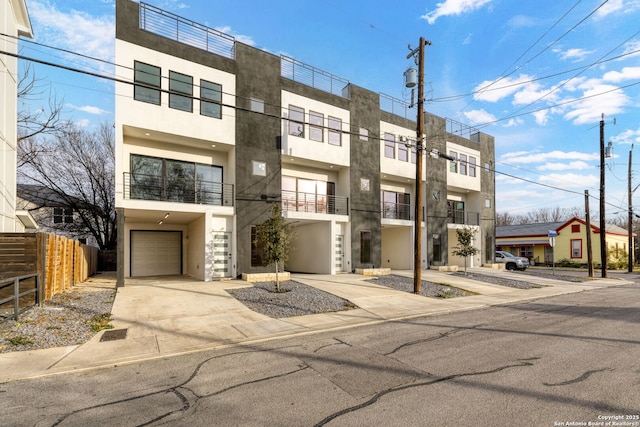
(472, 166)
(180, 91)
(576, 248)
(414, 155)
(296, 121)
(335, 131)
(453, 165)
(148, 77)
(257, 249)
(390, 145)
(316, 124)
(210, 99)
(437, 248)
(403, 152)
(463, 164)
(365, 247)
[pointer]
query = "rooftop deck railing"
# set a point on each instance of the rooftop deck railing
(311, 76)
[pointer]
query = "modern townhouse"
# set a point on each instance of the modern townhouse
(210, 133)
(14, 22)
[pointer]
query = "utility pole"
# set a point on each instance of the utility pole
(588, 221)
(603, 242)
(630, 224)
(417, 250)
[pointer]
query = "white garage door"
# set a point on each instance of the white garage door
(156, 253)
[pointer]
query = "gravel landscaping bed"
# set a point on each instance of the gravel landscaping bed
(295, 299)
(574, 279)
(498, 280)
(69, 318)
(427, 289)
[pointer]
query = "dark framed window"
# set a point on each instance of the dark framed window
(180, 91)
(148, 85)
(257, 249)
(395, 205)
(316, 126)
(62, 215)
(455, 212)
(414, 155)
(365, 247)
(211, 99)
(403, 152)
(335, 131)
(390, 145)
(437, 248)
(296, 121)
(453, 165)
(472, 166)
(463, 164)
(153, 178)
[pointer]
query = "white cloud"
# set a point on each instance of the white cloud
(632, 46)
(570, 180)
(575, 165)
(477, 117)
(573, 55)
(598, 99)
(627, 73)
(500, 89)
(83, 123)
(610, 7)
(453, 8)
(514, 122)
(523, 157)
(90, 109)
(239, 37)
(75, 30)
(628, 136)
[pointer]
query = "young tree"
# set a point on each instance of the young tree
(78, 167)
(465, 246)
(275, 236)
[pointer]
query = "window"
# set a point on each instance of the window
(365, 185)
(257, 249)
(463, 164)
(403, 152)
(257, 105)
(335, 131)
(575, 228)
(211, 99)
(576, 248)
(472, 166)
(365, 247)
(259, 168)
(153, 178)
(316, 124)
(395, 205)
(487, 203)
(296, 121)
(149, 76)
(62, 216)
(390, 145)
(453, 166)
(180, 91)
(455, 212)
(414, 155)
(437, 248)
(364, 134)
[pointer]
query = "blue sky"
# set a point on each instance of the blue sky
(535, 75)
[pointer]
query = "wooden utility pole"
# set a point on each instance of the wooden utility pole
(603, 241)
(588, 221)
(417, 250)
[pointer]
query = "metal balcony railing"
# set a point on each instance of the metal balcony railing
(466, 218)
(396, 211)
(312, 76)
(294, 201)
(177, 189)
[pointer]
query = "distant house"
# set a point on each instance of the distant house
(532, 241)
(53, 213)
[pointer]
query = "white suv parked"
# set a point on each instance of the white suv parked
(512, 262)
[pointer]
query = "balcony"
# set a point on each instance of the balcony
(396, 211)
(461, 217)
(177, 189)
(293, 201)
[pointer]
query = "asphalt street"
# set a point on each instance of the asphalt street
(565, 360)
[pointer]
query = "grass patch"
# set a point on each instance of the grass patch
(20, 340)
(99, 323)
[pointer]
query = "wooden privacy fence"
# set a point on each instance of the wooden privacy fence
(60, 262)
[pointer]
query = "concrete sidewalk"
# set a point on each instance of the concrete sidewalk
(176, 315)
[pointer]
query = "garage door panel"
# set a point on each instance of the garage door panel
(156, 253)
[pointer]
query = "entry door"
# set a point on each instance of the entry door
(222, 255)
(339, 252)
